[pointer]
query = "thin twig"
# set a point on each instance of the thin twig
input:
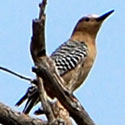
(42, 8)
(16, 74)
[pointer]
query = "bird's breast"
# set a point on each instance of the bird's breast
(74, 78)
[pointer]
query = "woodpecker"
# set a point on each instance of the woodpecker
(78, 51)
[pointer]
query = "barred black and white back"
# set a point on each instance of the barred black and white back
(66, 58)
(68, 55)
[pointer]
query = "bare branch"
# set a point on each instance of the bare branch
(10, 117)
(16, 74)
(37, 50)
(37, 46)
(44, 101)
(42, 8)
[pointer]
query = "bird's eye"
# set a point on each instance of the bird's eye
(87, 19)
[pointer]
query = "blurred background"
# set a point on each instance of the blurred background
(103, 94)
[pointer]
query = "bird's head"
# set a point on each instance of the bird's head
(90, 24)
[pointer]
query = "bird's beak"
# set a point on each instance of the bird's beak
(104, 16)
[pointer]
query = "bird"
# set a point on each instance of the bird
(73, 59)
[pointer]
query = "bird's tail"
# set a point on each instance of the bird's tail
(32, 98)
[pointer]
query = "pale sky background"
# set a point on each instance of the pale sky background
(103, 94)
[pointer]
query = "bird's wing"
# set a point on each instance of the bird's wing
(68, 55)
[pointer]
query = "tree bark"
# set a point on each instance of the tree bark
(10, 117)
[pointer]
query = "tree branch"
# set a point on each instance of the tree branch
(44, 101)
(38, 49)
(10, 117)
(37, 46)
(16, 74)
